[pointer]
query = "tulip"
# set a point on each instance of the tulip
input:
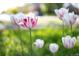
(60, 12)
(39, 43)
(68, 41)
(53, 47)
(24, 21)
(69, 18)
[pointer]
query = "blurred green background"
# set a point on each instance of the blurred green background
(10, 41)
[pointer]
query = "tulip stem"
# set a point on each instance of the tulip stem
(63, 28)
(71, 29)
(21, 42)
(30, 40)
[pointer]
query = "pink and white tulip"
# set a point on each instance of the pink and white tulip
(60, 12)
(68, 41)
(24, 21)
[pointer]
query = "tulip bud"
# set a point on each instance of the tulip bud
(53, 47)
(39, 43)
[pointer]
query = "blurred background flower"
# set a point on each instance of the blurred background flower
(69, 18)
(60, 12)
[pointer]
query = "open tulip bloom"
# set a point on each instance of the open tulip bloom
(25, 21)
(68, 41)
(60, 12)
(69, 18)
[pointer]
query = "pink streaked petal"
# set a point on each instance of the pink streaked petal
(33, 22)
(22, 24)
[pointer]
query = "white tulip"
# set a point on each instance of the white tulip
(53, 47)
(39, 43)
(69, 18)
(60, 12)
(68, 42)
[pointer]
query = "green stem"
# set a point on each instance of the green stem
(30, 40)
(21, 42)
(63, 28)
(71, 29)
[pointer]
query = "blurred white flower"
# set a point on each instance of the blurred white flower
(69, 18)
(60, 12)
(39, 43)
(24, 21)
(53, 47)
(68, 41)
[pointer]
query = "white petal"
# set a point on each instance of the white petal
(66, 18)
(74, 40)
(64, 10)
(19, 16)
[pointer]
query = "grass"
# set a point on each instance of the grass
(10, 42)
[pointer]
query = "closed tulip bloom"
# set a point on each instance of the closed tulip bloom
(24, 21)
(39, 43)
(68, 41)
(53, 47)
(60, 12)
(69, 18)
